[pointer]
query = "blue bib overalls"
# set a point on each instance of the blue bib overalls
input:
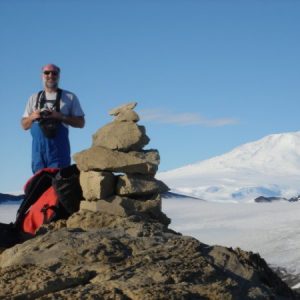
(50, 152)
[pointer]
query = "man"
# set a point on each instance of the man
(47, 115)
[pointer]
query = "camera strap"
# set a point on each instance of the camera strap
(41, 100)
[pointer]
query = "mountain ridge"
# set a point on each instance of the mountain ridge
(9, 197)
(267, 167)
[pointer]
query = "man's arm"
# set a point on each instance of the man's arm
(27, 121)
(73, 121)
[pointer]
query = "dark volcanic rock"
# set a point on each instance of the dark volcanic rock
(291, 279)
(9, 197)
(262, 199)
(100, 256)
(176, 195)
(294, 199)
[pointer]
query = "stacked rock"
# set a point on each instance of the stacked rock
(116, 174)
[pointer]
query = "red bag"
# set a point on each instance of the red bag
(41, 212)
(51, 194)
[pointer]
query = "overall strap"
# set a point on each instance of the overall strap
(38, 100)
(41, 100)
(57, 101)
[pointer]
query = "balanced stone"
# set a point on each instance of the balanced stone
(139, 185)
(103, 159)
(121, 136)
(125, 207)
(123, 108)
(128, 115)
(97, 185)
(125, 113)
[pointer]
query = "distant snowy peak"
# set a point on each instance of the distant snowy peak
(276, 149)
(276, 152)
(268, 167)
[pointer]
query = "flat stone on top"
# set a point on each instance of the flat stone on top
(125, 107)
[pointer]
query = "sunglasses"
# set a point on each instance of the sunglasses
(54, 73)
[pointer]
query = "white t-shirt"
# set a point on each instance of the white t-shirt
(69, 104)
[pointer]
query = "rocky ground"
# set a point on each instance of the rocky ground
(99, 256)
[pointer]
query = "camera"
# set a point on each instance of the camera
(45, 113)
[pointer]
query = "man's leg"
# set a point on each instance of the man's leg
(38, 150)
(58, 154)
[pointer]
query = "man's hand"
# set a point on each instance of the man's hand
(27, 122)
(35, 115)
(54, 115)
(73, 121)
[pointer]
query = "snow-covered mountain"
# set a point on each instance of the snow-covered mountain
(267, 167)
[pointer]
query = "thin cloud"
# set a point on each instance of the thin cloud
(184, 119)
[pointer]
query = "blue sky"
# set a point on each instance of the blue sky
(207, 75)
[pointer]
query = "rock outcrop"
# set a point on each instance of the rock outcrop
(95, 255)
(263, 199)
(118, 245)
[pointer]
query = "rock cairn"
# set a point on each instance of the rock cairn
(117, 174)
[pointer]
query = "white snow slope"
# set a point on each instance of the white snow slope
(267, 167)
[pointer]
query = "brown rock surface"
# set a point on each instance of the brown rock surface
(97, 185)
(122, 108)
(102, 159)
(99, 256)
(124, 207)
(139, 185)
(128, 115)
(121, 136)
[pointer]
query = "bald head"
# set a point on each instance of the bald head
(51, 67)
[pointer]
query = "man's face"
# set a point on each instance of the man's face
(50, 76)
